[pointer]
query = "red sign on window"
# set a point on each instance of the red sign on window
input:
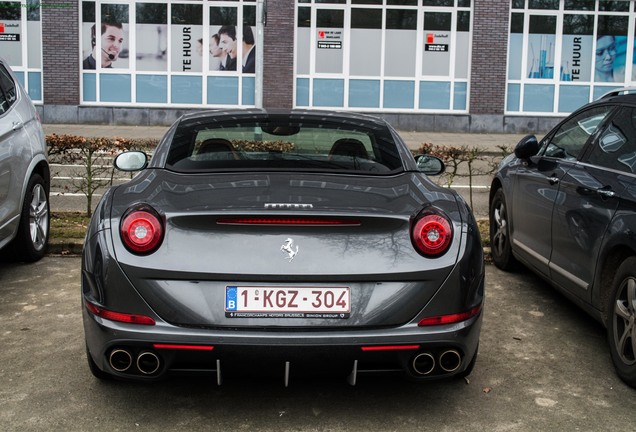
(430, 38)
(1, 27)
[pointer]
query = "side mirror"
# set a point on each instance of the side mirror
(430, 165)
(131, 161)
(527, 147)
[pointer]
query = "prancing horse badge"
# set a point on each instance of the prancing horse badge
(288, 248)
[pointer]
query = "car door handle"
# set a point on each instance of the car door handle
(553, 180)
(17, 125)
(606, 193)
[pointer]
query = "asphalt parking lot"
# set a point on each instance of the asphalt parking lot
(543, 365)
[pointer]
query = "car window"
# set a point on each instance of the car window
(7, 90)
(616, 146)
(568, 141)
(302, 145)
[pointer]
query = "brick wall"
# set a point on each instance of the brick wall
(60, 48)
(488, 69)
(278, 51)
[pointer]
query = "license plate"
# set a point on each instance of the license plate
(287, 302)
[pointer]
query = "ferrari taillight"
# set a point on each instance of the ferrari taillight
(142, 231)
(432, 234)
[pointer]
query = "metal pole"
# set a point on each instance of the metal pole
(260, 40)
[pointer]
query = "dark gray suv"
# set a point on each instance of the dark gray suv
(566, 208)
(24, 173)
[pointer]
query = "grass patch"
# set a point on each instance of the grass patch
(68, 225)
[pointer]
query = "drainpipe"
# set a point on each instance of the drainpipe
(261, 20)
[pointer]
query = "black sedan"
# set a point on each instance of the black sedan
(289, 243)
(566, 208)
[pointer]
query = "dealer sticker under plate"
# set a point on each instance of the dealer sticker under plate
(287, 302)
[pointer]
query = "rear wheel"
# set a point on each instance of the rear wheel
(621, 323)
(500, 246)
(33, 231)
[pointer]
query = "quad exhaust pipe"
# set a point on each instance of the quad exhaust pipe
(121, 360)
(425, 363)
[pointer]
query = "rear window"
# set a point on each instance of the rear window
(283, 146)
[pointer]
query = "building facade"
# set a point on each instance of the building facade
(441, 65)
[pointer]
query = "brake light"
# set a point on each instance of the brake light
(390, 348)
(183, 347)
(307, 221)
(432, 234)
(449, 319)
(142, 231)
(118, 316)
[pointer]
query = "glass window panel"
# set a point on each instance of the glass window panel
(223, 39)
(514, 96)
(152, 88)
(515, 42)
(437, 21)
(401, 19)
(543, 4)
(329, 52)
(462, 45)
(399, 60)
(12, 33)
(364, 93)
(373, 2)
(435, 95)
(463, 21)
(186, 34)
(516, 23)
(518, 4)
(538, 98)
(401, 2)
(152, 37)
(302, 92)
(576, 62)
(223, 90)
(613, 5)
(328, 92)
(437, 2)
(572, 97)
(398, 94)
(366, 18)
(611, 49)
(112, 49)
(364, 55)
(330, 18)
(114, 87)
(34, 35)
(463, 3)
(331, 1)
(247, 95)
(89, 87)
(304, 17)
(541, 47)
(436, 57)
(187, 90)
(587, 5)
(598, 91)
(88, 11)
(35, 86)
(460, 96)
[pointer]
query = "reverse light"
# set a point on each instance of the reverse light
(119, 316)
(432, 234)
(142, 230)
(449, 319)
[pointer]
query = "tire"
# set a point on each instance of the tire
(96, 371)
(500, 242)
(621, 321)
(32, 237)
